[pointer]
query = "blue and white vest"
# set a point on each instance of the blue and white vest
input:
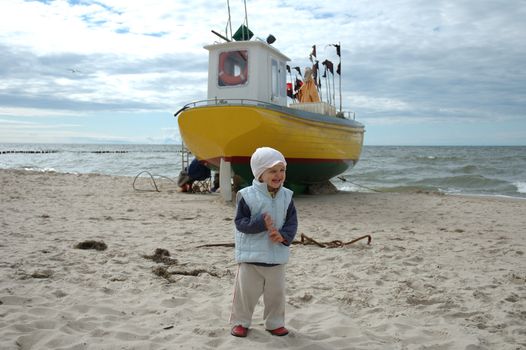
(257, 247)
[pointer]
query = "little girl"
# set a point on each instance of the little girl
(265, 226)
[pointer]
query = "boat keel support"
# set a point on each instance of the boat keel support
(225, 180)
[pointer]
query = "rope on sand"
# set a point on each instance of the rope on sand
(304, 240)
(354, 183)
(152, 182)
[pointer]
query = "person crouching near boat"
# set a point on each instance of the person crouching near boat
(265, 225)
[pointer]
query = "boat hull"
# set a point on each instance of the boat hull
(316, 147)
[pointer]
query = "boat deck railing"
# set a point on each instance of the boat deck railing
(251, 102)
(235, 102)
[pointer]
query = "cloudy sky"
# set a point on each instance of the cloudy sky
(416, 72)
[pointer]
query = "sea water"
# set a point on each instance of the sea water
(493, 171)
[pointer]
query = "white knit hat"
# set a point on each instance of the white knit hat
(264, 158)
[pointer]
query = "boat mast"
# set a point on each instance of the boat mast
(333, 90)
(229, 24)
(246, 17)
(327, 76)
(340, 73)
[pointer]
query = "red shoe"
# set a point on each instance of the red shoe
(239, 331)
(281, 331)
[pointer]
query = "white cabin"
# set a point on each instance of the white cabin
(247, 70)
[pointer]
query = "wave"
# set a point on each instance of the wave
(464, 181)
(428, 159)
(466, 169)
(521, 187)
(411, 189)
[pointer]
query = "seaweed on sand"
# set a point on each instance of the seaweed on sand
(91, 244)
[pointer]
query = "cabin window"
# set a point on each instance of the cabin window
(282, 79)
(278, 80)
(274, 79)
(233, 68)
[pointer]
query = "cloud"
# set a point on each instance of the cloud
(407, 61)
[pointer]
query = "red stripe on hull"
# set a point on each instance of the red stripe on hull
(246, 160)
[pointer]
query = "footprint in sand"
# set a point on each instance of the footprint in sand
(513, 298)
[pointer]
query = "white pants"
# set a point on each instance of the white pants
(251, 282)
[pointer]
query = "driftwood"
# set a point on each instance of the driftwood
(216, 245)
(194, 273)
(304, 240)
(162, 271)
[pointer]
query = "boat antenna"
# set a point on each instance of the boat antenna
(229, 23)
(246, 16)
(221, 36)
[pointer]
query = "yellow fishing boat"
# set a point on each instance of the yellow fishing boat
(247, 108)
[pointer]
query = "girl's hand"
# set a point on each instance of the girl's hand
(274, 234)
(268, 222)
(276, 237)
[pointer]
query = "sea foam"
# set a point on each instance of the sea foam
(521, 187)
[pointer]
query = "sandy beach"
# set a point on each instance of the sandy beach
(441, 272)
